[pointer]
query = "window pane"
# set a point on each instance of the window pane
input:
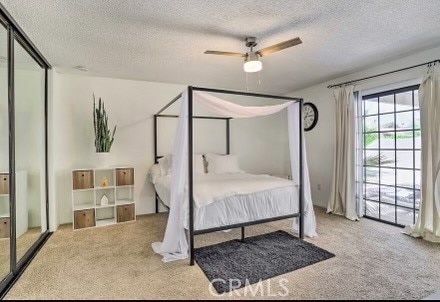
(405, 197)
(371, 123)
(417, 120)
(370, 106)
(405, 178)
(404, 140)
(387, 177)
(387, 140)
(418, 159)
(404, 120)
(417, 198)
(386, 103)
(387, 194)
(372, 209)
(371, 175)
(405, 216)
(371, 158)
(387, 158)
(387, 212)
(372, 192)
(405, 159)
(387, 122)
(404, 101)
(416, 98)
(417, 178)
(417, 140)
(371, 140)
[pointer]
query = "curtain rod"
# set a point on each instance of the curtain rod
(382, 74)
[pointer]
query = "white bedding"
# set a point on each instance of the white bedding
(224, 199)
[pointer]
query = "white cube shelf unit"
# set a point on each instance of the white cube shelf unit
(88, 188)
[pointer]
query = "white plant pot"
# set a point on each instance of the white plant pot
(102, 159)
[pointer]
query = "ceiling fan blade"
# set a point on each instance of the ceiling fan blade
(225, 53)
(280, 46)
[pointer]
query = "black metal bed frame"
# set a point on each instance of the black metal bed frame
(191, 230)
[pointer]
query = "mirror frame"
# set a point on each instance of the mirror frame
(15, 33)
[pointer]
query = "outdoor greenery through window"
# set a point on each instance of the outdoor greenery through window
(392, 156)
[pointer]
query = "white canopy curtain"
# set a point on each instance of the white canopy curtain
(174, 245)
(428, 222)
(342, 200)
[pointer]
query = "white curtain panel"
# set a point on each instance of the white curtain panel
(174, 245)
(428, 222)
(342, 200)
(309, 213)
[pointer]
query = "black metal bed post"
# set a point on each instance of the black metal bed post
(155, 158)
(169, 104)
(228, 151)
(228, 136)
(190, 176)
(301, 172)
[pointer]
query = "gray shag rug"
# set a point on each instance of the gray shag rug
(234, 264)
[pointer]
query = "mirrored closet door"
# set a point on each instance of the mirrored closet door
(5, 241)
(29, 107)
(23, 151)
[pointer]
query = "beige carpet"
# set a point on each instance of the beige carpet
(24, 242)
(373, 261)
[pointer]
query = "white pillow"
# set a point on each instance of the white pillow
(166, 162)
(154, 173)
(222, 164)
(199, 165)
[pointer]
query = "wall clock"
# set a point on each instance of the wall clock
(310, 115)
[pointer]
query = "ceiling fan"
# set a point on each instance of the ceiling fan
(252, 61)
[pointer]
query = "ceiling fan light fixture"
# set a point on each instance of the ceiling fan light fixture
(252, 63)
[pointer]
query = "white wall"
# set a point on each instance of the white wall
(320, 141)
(131, 105)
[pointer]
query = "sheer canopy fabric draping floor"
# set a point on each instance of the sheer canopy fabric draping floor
(174, 245)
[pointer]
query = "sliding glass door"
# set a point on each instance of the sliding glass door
(391, 153)
(23, 151)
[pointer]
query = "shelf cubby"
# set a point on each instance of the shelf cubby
(88, 189)
(83, 199)
(105, 216)
(124, 194)
(109, 192)
(101, 175)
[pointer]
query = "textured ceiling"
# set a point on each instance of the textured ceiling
(164, 40)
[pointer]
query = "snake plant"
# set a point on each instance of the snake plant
(103, 139)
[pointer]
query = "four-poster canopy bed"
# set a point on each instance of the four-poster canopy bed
(175, 245)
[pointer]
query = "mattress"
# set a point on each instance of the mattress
(225, 199)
